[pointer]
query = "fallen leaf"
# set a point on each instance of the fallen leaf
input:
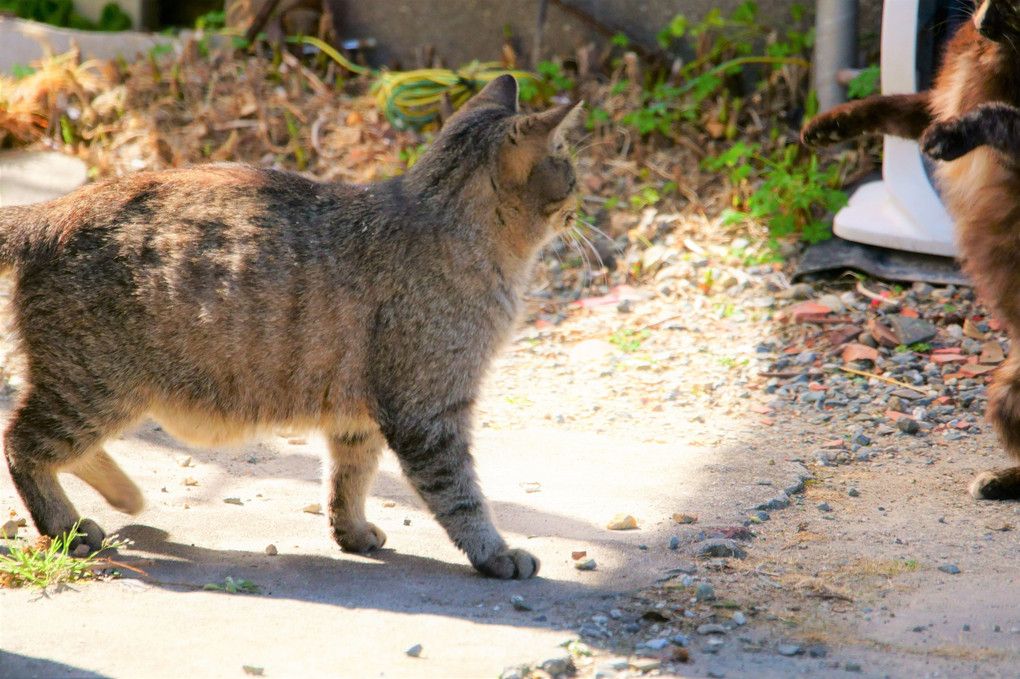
(975, 369)
(882, 333)
(941, 359)
(970, 330)
(806, 311)
(314, 508)
(683, 518)
(991, 352)
(859, 352)
(578, 555)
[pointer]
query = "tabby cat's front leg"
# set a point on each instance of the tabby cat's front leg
(994, 124)
(901, 115)
(434, 454)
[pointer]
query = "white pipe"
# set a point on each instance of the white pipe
(835, 49)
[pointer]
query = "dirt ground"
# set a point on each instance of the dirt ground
(635, 403)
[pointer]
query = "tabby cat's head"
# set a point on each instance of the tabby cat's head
(518, 164)
(999, 21)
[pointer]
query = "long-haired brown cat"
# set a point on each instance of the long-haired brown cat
(226, 299)
(970, 120)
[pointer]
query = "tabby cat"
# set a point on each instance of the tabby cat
(970, 120)
(224, 300)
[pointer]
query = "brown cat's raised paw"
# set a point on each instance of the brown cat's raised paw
(826, 130)
(364, 538)
(510, 564)
(948, 140)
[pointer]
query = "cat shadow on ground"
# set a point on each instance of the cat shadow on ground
(386, 580)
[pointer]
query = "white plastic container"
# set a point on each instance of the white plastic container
(903, 211)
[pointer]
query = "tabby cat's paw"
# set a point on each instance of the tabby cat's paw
(948, 140)
(826, 130)
(90, 534)
(362, 538)
(510, 564)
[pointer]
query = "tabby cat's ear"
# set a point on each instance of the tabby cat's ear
(554, 123)
(501, 90)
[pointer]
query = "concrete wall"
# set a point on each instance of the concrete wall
(462, 30)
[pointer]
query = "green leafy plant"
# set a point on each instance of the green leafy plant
(232, 586)
(50, 562)
(62, 13)
(725, 46)
(865, 83)
(790, 196)
(629, 340)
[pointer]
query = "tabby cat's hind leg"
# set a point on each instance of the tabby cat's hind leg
(1004, 414)
(901, 115)
(353, 459)
(48, 434)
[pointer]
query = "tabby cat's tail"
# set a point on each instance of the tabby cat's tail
(14, 223)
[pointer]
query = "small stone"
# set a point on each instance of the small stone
(10, 530)
(585, 564)
(704, 592)
(682, 518)
(625, 306)
(789, 649)
(616, 614)
(860, 440)
(711, 628)
(739, 619)
(643, 665)
(185, 461)
(313, 508)
(414, 651)
(716, 672)
(389, 504)
(190, 481)
(81, 551)
(679, 639)
(253, 671)
(818, 651)
(910, 330)
(233, 501)
(835, 304)
(271, 550)
(517, 601)
(908, 425)
(622, 522)
(952, 569)
(852, 667)
(558, 666)
(853, 492)
(721, 548)
(299, 441)
(657, 644)
(762, 515)
(824, 507)
(674, 542)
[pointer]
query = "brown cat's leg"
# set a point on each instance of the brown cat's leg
(901, 115)
(436, 457)
(995, 124)
(44, 436)
(353, 460)
(1004, 413)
